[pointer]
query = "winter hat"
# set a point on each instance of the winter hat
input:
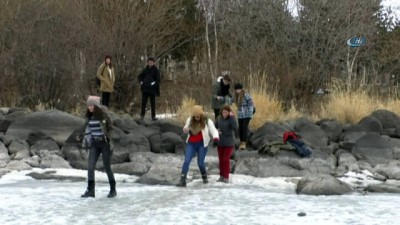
(93, 100)
(238, 86)
(197, 110)
(151, 59)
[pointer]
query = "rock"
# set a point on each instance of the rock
(51, 160)
(73, 152)
(170, 127)
(7, 139)
(346, 162)
(51, 175)
(266, 134)
(322, 185)
(33, 161)
(155, 143)
(301, 214)
(161, 174)
(54, 123)
(4, 110)
(332, 128)
(172, 143)
(4, 157)
(131, 168)
(46, 144)
(388, 119)
(373, 148)
(386, 187)
(17, 165)
(349, 138)
(9, 118)
(19, 150)
(126, 124)
(3, 172)
(311, 134)
(368, 124)
(391, 170)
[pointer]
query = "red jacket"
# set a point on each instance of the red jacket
(289, 135)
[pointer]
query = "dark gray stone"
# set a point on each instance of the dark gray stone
(51, 160)
(384, 188)
(266, 134)
(373, 148)
(54, 123)
(19, 150)
(322, 185)
(7, 139)
(155, 143)
(391, 170)
(46, 144)
(388, 119)
(4, 157)
(17, 165)
(311, 134)
(131, 168)
(9, 118)
(51, 175)
(332, 128)
(171, 142)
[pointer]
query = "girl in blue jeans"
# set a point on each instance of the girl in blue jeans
(199, 128)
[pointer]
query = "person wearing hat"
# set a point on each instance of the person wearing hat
(199, 128)
(221, 95)
(149, 80)
(106, 75)
(97, 128)
(245, 110)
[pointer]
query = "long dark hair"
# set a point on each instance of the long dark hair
(108, 57)
(227, 108)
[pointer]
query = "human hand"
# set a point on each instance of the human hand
(153, 83)
(185, 130)
(231, 114)
(141, 83)
(215, 142)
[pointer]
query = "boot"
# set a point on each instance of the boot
(113, 192)
(182, 183)
(204, 177)
(90, 190)
(242, 145)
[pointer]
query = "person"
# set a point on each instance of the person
(226, 125)
(199, 127)
(97, 128)
(221, 95)
(106, 75)
(149, 80)
(245, 109)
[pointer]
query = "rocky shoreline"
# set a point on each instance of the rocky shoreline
(153, 151)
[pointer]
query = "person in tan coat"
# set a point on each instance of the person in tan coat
(106, 75)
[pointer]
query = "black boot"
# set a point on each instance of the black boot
(90, 190)
(182, 183)
(204, 177)
(113, 192)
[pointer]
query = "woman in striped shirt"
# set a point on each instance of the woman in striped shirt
(96, 132)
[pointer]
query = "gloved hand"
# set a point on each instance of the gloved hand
(215, 142)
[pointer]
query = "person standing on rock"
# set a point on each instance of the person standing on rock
(149, 80)
(199, 128)
(226, 125)
(97, 128)
(245, 110)
(221, 95)
(106, 75)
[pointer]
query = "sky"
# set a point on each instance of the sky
(394, 4)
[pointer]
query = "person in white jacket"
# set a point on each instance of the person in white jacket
(199, 128)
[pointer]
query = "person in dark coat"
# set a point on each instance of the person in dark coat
(221, 94)
(149, 80)
(97, 128)
(227, 126)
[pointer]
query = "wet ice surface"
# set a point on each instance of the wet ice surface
(246, 200)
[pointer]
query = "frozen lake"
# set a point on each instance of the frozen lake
(246, 200)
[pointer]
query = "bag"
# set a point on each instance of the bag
(98, 82)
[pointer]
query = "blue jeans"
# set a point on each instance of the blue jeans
(191, 150)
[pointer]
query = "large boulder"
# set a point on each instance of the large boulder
(346, 162)
(322, 185)
(125, 123)
(4, 157)
(7, 139)
(73, 152)
(389, 186)
(268, 133)
(172, 143)
(373, 148)
(11, 116)
(56, 124)
(388, 119)
(51, 160)
(311, 134)
(349, 138)
(19, 150)
(391, 170)
(17, 165)
(332, 128)
(46, 144)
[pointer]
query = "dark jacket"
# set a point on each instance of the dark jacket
(147, 77)
(227, 127)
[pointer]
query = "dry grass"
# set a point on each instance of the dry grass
(185, 110)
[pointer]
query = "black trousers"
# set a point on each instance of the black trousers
(145, 97)
(97, 148)
(244, 128)
(105, 98)
(216, 113)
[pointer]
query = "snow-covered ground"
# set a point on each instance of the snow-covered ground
(246, 200)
